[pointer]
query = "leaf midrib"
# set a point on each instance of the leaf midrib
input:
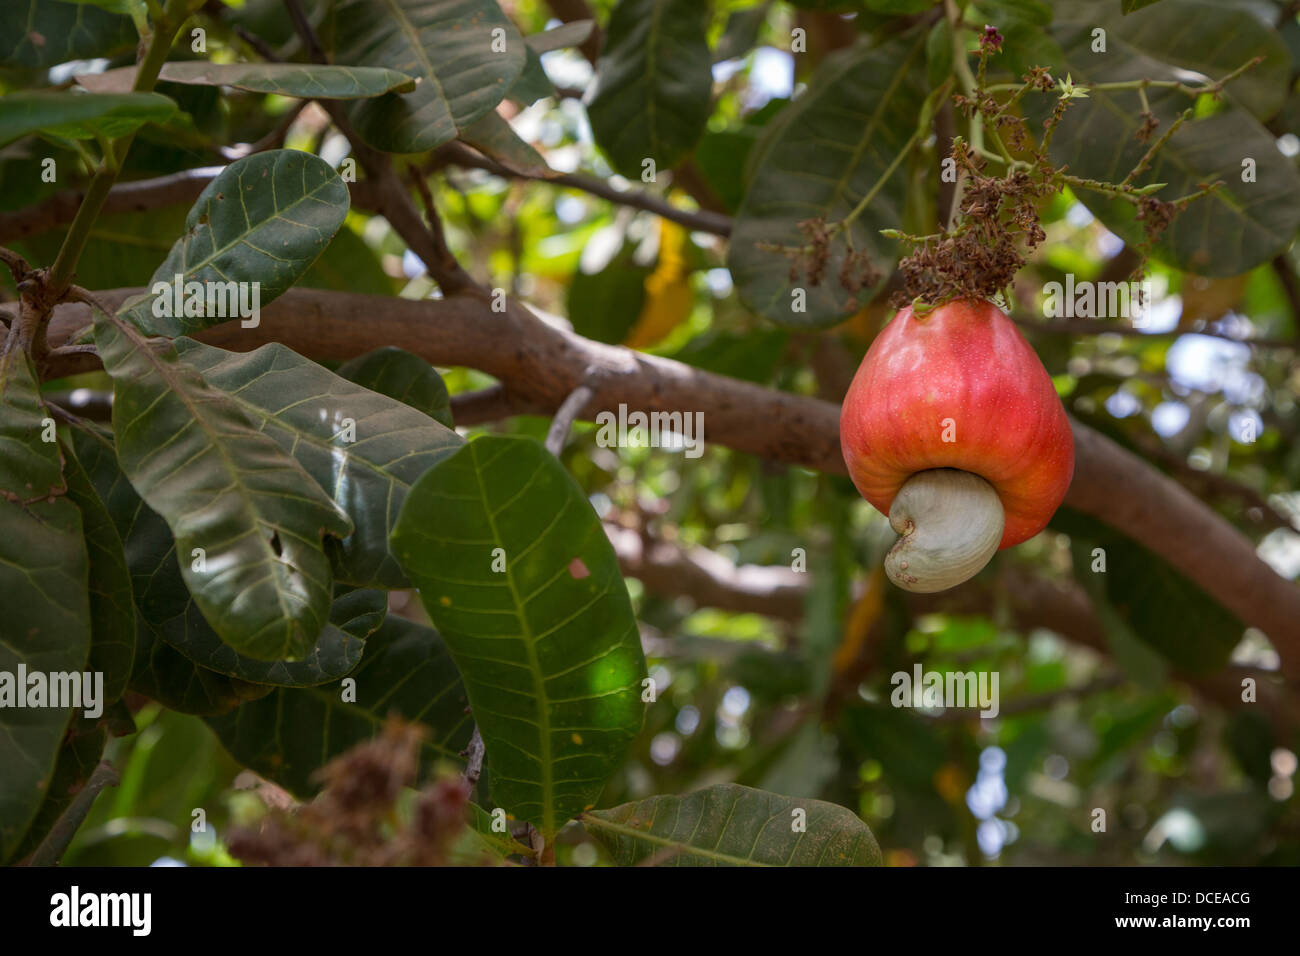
(647, 837)
(534, 664)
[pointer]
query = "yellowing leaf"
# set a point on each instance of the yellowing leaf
(668, 295)
(862, 617)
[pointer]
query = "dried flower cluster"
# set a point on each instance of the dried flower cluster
(998, 225)
(354, 821)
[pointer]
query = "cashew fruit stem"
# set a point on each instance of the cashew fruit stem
(950, 525)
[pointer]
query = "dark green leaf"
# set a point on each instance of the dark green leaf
(38, 33)
(368, 466)
(548, 647)
(938, 53)
(159, 670)
(307, 80)
(653, 83)
(112, 611)
(819, 162)
(480, 839)
(572, 33)
(77, 760)
(495, 137)
(730, 825)
(74, 115)
(123, 250)
(449, 44)
(741, 32)
(289, 734)
(1243, 223)
(265, 219)
(606, 304)
(533, 83)
(45, 627)
(169, 614)
(227, 489)
(403, 376)
(359, 611)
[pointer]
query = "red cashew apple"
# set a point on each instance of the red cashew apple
(953, 429)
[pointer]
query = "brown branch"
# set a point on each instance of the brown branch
(490, 405)
(138, 196)
(543, 364)
(1286, 276)
(707, 578)
(56, 842)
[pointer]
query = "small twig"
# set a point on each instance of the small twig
(56, 842)
(303, 25)
(18, 266)
(67, 350)
(458, 154)
(444, 267)
(572, 407)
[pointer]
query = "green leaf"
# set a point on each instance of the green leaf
(289, 734)
(499, 845)
(653, 83)
(1026, 43)
(306, 409)
(359, 611)
(45, 627)
(38, 34)
(818, 160)
(731, 825)
(169, 613)
(1243, 223)
(265, 219)
(938, 53)
(79, 115)
(306, 80)
(548, 647)
(349, 264)
(495, 137)
(76, 761)
(572, 33)
(533, 83)
(741, 32)
(449, 45)
(112, 610)
(1226, 36)
(159, 671)
(403, 376)
(164, 674)
(123, 248)
(605, 305)
(227, 489)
